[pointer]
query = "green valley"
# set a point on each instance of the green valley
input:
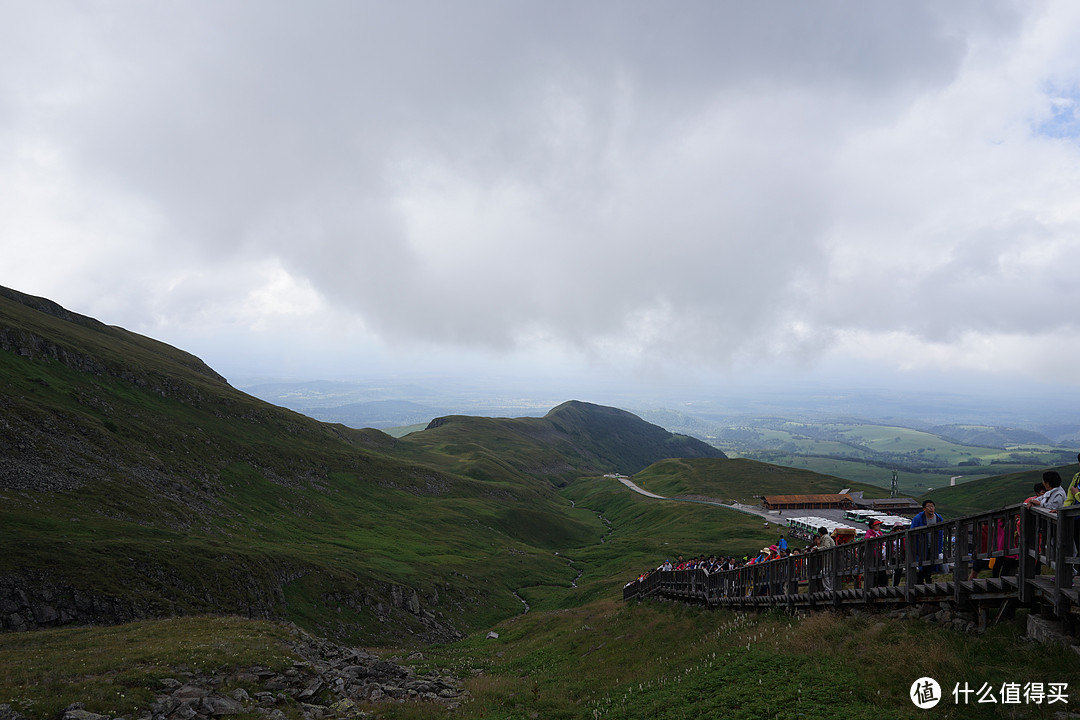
(924, 458)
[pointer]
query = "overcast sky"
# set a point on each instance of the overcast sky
(652, 190)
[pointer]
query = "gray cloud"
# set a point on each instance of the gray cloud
(704, 182)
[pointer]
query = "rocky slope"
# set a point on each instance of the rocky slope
(326, 680)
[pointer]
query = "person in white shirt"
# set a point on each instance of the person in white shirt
(1054, 498)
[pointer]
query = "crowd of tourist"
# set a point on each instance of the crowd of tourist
(722, 563)
(1049, 495)
(822, 540)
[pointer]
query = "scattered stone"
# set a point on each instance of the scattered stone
(315, 712)
(9, 713)
(217, 705)
(265, 698)
(311, 690)
(343, 707)
(338, 676)
(80, 714)
(274, 714)
(190, 692)
(1047, 631)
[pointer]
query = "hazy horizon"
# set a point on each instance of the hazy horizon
(502, 397)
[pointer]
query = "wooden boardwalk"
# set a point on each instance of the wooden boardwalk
(1021, 540)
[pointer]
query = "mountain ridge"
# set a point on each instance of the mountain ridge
(573, 438)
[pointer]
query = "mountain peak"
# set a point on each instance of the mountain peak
(578, 408)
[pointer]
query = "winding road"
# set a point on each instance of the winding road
(635, 488)
(749, 509)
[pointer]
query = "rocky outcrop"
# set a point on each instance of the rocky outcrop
(28, 344)
(27, 604)
(327, 681)
(324, 681)
(32, 603)
(944, 613)
(401, 611)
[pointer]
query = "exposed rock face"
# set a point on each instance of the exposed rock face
(41, 602)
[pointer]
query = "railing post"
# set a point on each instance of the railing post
(1063, 538)
(862, 558)
(1067, 541)
(909, 575)
(832, 563)
(963, 552)
(793, 578)
(813, 566)
(1028, 555)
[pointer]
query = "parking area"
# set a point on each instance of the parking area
(779, 517)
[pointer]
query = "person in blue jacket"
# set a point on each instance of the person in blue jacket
(924, 552)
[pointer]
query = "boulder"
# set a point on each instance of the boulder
(80, 714)
(9, 713)
(216, 705)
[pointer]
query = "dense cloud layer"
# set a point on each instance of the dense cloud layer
(718, 184)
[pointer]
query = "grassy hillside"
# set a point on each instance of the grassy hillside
(601, 660)
(581, 652)
(741, 479)
(908, 483)
(666, 661)
(643, 532)
(135, 482)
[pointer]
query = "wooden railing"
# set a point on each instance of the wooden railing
(935, 563)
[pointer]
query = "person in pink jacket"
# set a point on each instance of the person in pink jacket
(881, 578)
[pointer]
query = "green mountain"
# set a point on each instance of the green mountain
(136, 482)
(572, 440)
